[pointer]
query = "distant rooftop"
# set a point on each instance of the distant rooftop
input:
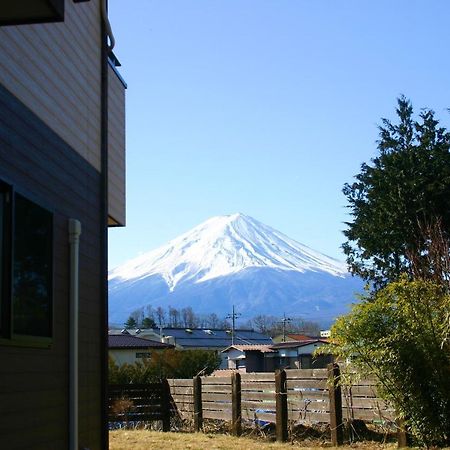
(249, 348)
(214, 338)
(116, 341)
(297, 344)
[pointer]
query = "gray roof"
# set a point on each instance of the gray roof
(127, 341)
(214, 338)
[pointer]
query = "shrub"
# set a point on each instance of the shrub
(400, 335)
(169, 363)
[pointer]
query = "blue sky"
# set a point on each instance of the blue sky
(264, 107)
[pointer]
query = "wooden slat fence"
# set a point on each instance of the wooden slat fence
(138, 403)
(360, 402)
(302, 396)
(258, 397)
(308, 396)
(182, 398)
(216, 398)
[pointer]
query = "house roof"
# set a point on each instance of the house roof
(206, 338)
(301, 337)
(251, 348)
(116, 341)
(294, 344)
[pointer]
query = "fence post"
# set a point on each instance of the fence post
(334, 390)
(281, 406)
(403, 440)
(165, 404)
(236, 423)
(198, 411)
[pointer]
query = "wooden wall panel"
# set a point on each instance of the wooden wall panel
(54, 69)
(34, 381)
(116, 148)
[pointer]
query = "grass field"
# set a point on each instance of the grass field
(143, 439)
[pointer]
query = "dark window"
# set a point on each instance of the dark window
(5, 260)
(26, 267)
(32, 269)
(143, 355)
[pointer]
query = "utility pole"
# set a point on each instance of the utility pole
(284, 321)
(233, 318)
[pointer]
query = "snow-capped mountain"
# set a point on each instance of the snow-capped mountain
(233, 259)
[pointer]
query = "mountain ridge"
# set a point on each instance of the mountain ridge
(211, 265)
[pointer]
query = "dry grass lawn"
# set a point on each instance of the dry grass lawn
(145, 440)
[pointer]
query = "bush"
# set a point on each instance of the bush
(400, 335)
(165, 364)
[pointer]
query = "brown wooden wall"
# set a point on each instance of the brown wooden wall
(116, 148)
(54, 69)
(34, 381)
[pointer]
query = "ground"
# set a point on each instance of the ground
(144, 439)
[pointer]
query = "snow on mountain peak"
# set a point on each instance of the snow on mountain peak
(224, 245)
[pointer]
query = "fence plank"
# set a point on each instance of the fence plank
(215, 380)
(306, 373)
(261, 386)
(216, 397)
(257, 377)
(246, 395)
(312, 383)
(309, 417)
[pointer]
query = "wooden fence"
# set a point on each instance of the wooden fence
(287, 397)
(139, 403)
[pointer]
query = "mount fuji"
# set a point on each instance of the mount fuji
(234, 260)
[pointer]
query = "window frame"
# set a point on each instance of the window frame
(7, 335)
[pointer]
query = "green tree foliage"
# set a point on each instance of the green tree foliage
(404, 188)
(148, 322)
(400, 334)
(169, 363)
(130, 323)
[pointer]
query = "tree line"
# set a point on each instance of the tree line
(171, 317)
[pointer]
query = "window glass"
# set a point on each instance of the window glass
(2, 256)
(32, 269)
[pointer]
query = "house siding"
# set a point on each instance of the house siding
(55, 70)
(116, 148)
(34, 381)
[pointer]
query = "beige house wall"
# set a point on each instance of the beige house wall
(116, 148)
(127, 355)
(54, 69)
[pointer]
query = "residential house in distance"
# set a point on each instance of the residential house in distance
(127, 349)
(284, 355)
(251, 358)
(62, 182)
(300, 354)
(202, 338)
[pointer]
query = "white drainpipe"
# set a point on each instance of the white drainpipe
(74, 241)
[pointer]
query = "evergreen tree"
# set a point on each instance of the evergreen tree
(130, 323)
(406, 188)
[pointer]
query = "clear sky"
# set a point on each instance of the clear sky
(264, 107)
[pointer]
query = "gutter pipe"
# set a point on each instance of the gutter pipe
(74, 243)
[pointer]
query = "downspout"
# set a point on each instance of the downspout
(74, 243)
(105, 49)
